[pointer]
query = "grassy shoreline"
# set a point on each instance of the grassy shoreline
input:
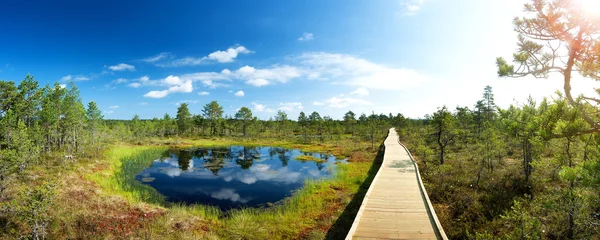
(309, 214)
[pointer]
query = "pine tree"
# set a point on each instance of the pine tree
(350, 121)
(184, 119)
(94, 118)
(214, 113)
(303, 122)
(244, 114)
(444, 125)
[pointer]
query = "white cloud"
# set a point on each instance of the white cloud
(186, 101)
(158, 57)
(212, 84)
(203, 93)
(229, 55)
(114, 107)
(317, 103)
(258, 82)
(229, 194)
(354, 71)
(157, 94)
(185, 87)
(344, 102)
(63, 85)
(208, 79)
(172, 80)
(277, 73)
(74, 78)
(411, 7)
(226, 56)
(186, 61)
(335, 68)
(119, 81)
(175, 84)
(251, 75)
(361, 91)
(66, 78)
(108, 112)
(122, 67)
(173, 172)
(290, 106)
(261, 107)
(81, 78)
(306, 37)
(239, 93)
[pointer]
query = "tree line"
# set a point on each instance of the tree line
(212, 121)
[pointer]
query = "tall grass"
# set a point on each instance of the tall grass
(124, 163)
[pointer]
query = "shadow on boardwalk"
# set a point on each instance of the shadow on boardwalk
(342, 225)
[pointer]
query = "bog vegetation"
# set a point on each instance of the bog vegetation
(529, 171)
(66, 172)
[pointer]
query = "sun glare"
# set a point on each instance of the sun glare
(591, 7)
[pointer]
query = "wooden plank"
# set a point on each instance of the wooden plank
(394, 206)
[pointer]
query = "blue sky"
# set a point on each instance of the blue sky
(146, 57)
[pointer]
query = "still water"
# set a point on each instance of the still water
(235, 176)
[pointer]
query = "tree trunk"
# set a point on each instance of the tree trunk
(442, 147)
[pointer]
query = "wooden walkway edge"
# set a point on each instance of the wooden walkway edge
(396, 205)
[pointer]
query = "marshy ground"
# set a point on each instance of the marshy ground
(100, 197)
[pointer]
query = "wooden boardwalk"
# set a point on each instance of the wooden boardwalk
(396, 206)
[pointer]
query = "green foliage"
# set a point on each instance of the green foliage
(521, 223)
(32, 207)
(244, 114)
(558, 36)
(213, 112)
(444, 124)
(184, 118)
(525, 172)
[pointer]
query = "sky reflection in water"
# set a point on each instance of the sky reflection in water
(233, 177)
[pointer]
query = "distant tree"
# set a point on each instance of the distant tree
(29, 96)
(282, 119)
(373, 123)
(214, 113)
(316, 123)
(136, 127)
(490, 107)
(363, 118)
(350, 121)
(167, 126)
(199, 122)
(464, 122)
(558, 36)
(73, 117)
(328, 126)
(522, 123)
(303, 122)
(184, 118)
(51, 115)
(244, 114)
(94, 117)
(444, 125)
